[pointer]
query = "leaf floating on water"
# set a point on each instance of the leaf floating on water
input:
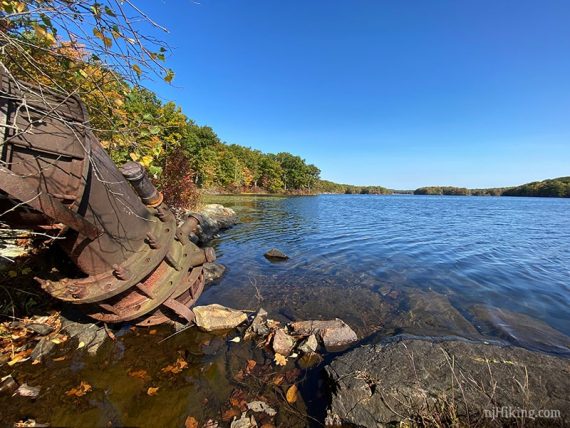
(139, 374)
(236, 339)
(280, 360)
(177, 367)
(292, 394)
(152, 391)
(190, 422)
(250, 366)
(79, 391)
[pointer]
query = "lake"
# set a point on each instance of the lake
(474, 267)
(491, 269)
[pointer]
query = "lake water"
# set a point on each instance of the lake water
(495, 269)
(475, 267)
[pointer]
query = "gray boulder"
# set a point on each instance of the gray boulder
(435, 382)
(213, 219)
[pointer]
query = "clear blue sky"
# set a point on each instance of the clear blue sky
(402, 94)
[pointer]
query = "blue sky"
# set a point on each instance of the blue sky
(402, 94)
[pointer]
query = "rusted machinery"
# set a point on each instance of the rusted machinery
(56, 177)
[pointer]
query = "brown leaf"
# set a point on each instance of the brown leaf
(190, 422)
(229, 414)
(80, 390)
(278, 380)
(139, 374)
(153, 331)
(60, 358)
(177, 367)
(292, 394)
(250, 366)
(152, 391)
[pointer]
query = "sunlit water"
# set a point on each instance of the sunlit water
(426, 265)
(495, 269)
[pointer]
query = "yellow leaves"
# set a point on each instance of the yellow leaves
(134, 156)
(43, 33)
(20, 357)
(292, 393)
(146, 160)
(175, 368)
(101, 36)
(280, 360)
(152, 391)
(80, 390)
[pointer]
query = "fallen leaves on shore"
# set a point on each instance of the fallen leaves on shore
(20, 357)
(175, 368)
(292, 394)
(80, 390)
(152, 391)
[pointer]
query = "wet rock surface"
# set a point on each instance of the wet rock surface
(283, 343)
(217, 317)
(434, 381)
(275, 254)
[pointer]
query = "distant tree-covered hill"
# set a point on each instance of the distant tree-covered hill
(556, 188)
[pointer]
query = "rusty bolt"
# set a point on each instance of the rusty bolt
(151, 241)
(120, 272)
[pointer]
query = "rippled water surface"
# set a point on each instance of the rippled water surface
(428, 265)
(482, 268)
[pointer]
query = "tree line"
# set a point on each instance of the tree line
(556, 188)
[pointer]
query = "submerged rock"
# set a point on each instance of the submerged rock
(334, 333)
(213, 271)
(275, 254)
(26, 390)
(412, 378)
(217, 317)
(283, 343)
(8, 385)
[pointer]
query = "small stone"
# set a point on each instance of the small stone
(39, 328)
(310, 345)
(275, 254)
(258, 326)
(283, 343)
(217, 317)
(8, 384)
(28, 391)
(43, 347)
(334, 333)
(213, 271)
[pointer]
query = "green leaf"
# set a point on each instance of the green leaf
(169, 76)
(155, 130)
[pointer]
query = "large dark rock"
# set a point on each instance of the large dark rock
(439, 381)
